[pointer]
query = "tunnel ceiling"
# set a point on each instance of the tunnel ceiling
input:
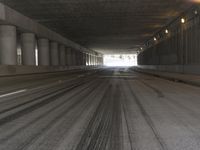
(109, 26)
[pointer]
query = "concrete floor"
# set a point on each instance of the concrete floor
(111, 109)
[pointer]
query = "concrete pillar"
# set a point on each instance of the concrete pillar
(81, 58)
(43, 52)
(54, 55)
(8, 45)
(28, 45)
(83, 62)
(69, 57)
(84, 59)
(90, 63)
(62, 55)
(95, 60)
(77, 58)
(74, 63)
(101, 60)
(87, 59)
(91, 60)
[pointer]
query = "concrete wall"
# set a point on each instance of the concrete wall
(177, 52)
(184, 69)
(25, 70)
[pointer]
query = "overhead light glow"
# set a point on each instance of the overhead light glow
(166, 31)
(182, 20)
(155, 39)
(195, 1)
(196, 12)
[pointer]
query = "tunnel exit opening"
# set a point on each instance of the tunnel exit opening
(116, 60)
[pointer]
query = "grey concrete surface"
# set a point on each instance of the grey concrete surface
(111, 109)
(74, 60)
(43, 52)
(184, 69)
(191, 79)
(69, 57)
(90, 59)
(54, 54)
(62, 51)
(8, 45)
(28, 45)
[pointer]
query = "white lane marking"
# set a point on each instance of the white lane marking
(13, 93)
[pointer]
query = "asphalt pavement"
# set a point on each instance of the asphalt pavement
(106, 109)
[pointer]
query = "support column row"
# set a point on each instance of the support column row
(49, 52)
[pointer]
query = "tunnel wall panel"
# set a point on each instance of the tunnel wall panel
(177, 52)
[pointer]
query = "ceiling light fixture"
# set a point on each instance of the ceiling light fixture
(155, 39)
(166, 31)
(182, 20)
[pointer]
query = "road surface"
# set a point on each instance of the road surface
(109, 109)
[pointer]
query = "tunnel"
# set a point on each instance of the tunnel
(100, 75)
